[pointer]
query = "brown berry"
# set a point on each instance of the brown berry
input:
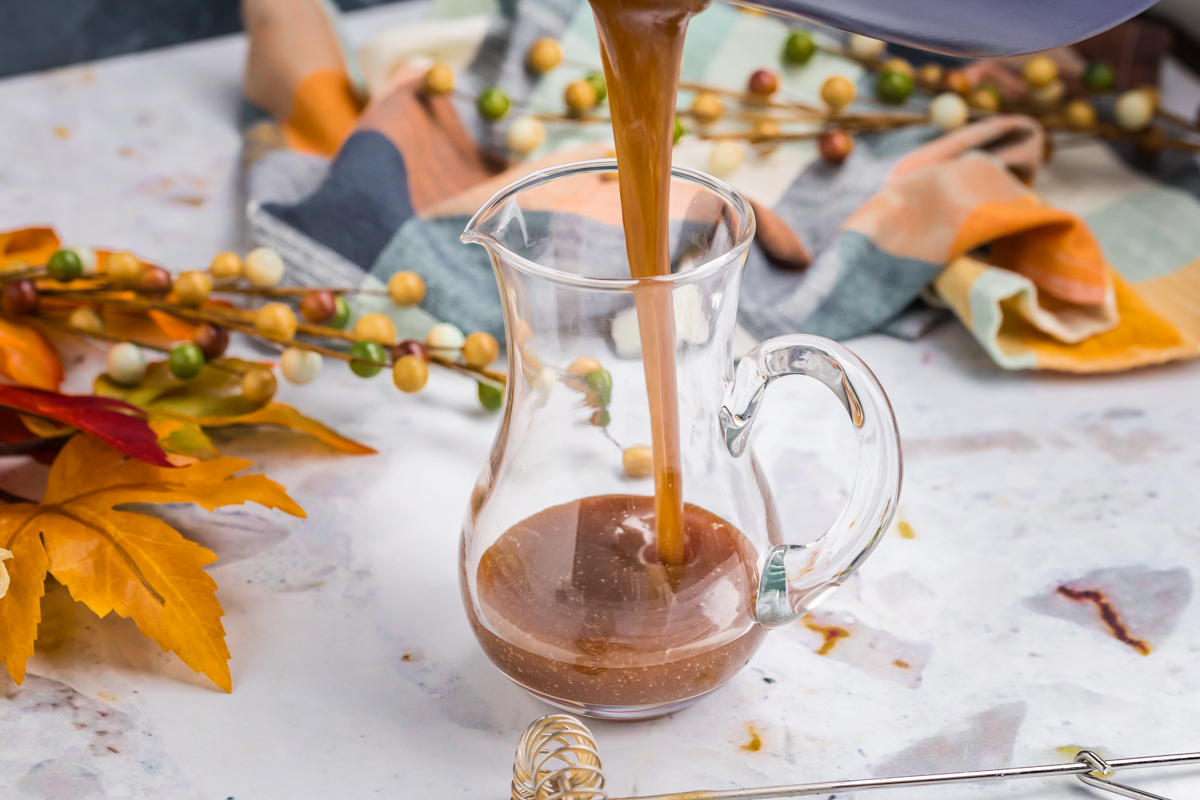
(154, 279)
(958, 82)
(212, 340)
(318, 306)
(259, 385)
(20, 298)
(410, 347)
(480, 349)
(763, 83)
(835, 146)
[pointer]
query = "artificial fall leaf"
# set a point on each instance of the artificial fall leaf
(113, 421)
(33, 246)
(27, 357)
(214, 399)
(111, 560)
(4, 556)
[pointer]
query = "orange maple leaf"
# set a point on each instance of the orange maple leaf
(136, 565)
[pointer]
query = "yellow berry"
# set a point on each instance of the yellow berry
(259, 385)
(899, 65)
(191, 288)
(275, 320)
(985, 99)
(582, 366)
(931, 75)
(263, 267)
(406, 288)
(123, 268)
(86, 319)
(580, 96)
(707, 107)
(1135, 110)
(410, 374)
(638, 462)
(1049, 96)
(375, 328)
(1080, 115)
(838, 92)
(480, 349)
(1040, 71)
(543, 55)
(226, 267)
(439, 79)
(444, 336)
(765, 137)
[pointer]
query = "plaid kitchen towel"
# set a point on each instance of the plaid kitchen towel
(1095, 272)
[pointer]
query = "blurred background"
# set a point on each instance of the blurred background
(50, 33)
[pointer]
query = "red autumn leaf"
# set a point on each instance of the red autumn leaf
(114, 422)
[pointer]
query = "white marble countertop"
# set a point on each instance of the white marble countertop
(355, 674)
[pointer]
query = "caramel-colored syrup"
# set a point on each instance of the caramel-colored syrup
(641, 43)
(575, 604)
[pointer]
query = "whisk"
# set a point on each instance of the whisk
(557, 759)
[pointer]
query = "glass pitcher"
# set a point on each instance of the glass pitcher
(559, 565)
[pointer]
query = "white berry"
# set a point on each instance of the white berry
(263, 267)
(948, 111)
(865, 46)
(524, 135)
(300, 366)
(444, 336)
(126, 365)
(87, 257)
(1135, 110)
(725, 158)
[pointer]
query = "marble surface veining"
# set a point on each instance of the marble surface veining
(1036, 593)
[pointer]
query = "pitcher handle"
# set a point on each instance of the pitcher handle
(795, 578)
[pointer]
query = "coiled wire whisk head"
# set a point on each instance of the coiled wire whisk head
(557, 760)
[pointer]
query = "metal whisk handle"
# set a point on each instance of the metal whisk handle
(1086, 762)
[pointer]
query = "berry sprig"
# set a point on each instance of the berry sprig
(759, 117)
(307, 325)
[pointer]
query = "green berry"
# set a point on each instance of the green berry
(677, 132)
(596, 79)
(185, 361)
(64, 265)
(600, 382)
(341, 314)
(1099, 78)
(798, 48)
(493, 103)
(369, 358)
(490, 397)
(601, 418)
(894, 86)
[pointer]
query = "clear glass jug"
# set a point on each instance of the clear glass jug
(559, 569)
